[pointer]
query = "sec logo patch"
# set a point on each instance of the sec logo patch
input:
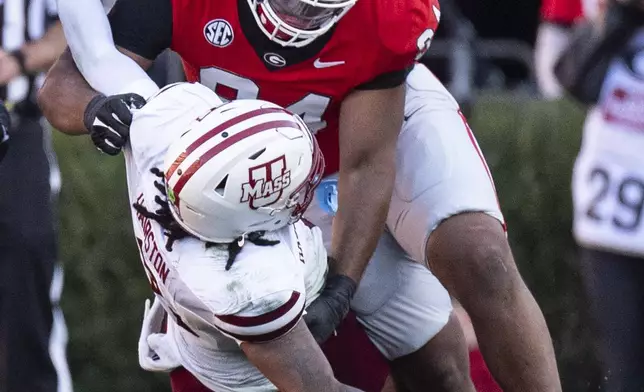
(218, 33)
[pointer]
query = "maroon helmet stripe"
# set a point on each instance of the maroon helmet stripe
(177, 162)
(254, 321)
(265, 337)
(187, 175)
(215, 131)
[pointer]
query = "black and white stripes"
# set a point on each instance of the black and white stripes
(22, 21)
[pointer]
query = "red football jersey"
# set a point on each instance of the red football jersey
(223, 48)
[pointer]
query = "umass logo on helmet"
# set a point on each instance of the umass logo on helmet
(266, 183)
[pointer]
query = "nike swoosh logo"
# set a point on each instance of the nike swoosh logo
(326, 64)
(407, 117)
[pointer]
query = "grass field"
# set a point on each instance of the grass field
(530, 147)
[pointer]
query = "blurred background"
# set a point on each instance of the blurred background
(484, 53)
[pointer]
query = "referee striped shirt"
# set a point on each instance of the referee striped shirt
(22, 21)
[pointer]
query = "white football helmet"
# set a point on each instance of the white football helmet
(298, 22)
(244, 166)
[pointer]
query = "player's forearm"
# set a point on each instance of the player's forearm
(41, 54)
(370, 122)
(105, 68)
(65, 95)
(364, 193)
(294, 363)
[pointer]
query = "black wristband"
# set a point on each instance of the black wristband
(20, 58)
(342, 284)
(91, 111)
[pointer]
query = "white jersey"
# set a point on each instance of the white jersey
(260, 298)
(608, 180)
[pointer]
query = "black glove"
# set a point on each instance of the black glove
(5, 124)
(326, 313)
(108, 120)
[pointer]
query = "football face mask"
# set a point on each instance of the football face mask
(297, 23)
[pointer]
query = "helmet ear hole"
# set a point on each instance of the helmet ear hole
(222, 186)
(257, 154)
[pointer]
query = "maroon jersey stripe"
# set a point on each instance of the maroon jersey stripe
(254, 321)
(265, 337)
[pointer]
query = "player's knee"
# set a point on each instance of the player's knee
(495, 280)
(476, 261)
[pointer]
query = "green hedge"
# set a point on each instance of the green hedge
(529, 145)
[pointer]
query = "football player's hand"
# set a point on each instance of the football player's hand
(108, 120)
(157, 351)
(327, 312)
(5, 124)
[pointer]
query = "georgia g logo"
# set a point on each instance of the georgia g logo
(266, 183)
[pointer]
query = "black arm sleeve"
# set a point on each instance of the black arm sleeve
(143, 27)
(387, 80)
